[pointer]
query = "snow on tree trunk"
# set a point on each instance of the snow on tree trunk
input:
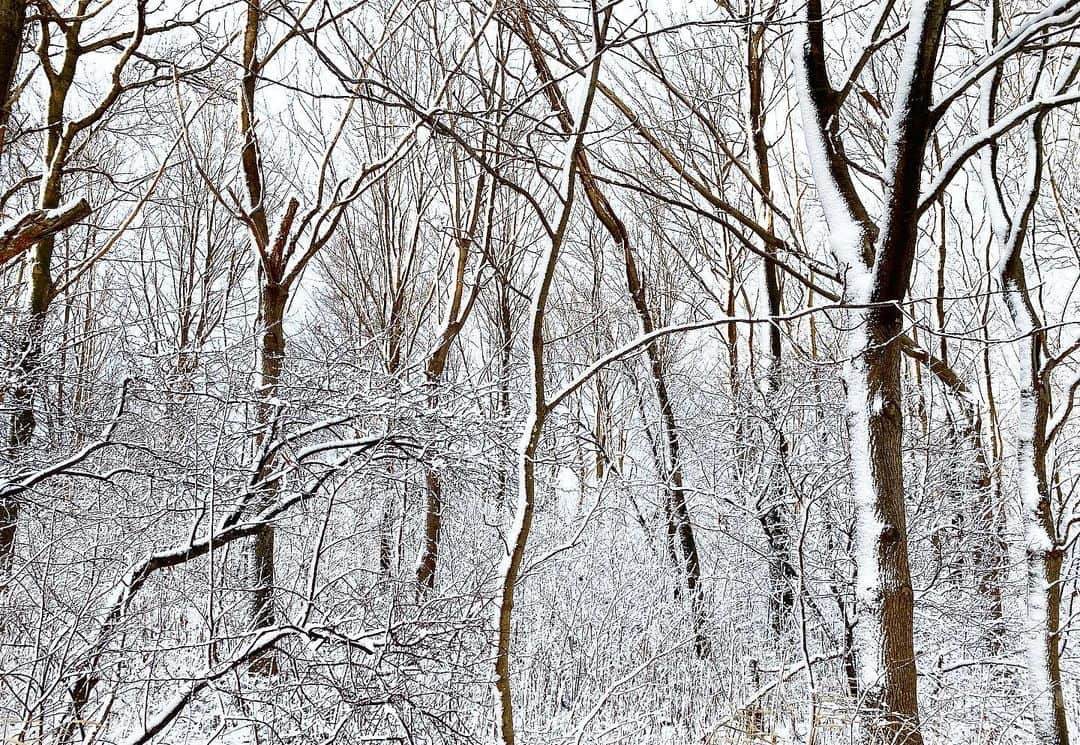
(1041, 547)
(885, 601)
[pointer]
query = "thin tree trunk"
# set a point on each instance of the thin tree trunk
(992, 572)
(1043, 548)
(273, 298)
(675, 490)
(775, 517)
(457, 311)
(532, 433)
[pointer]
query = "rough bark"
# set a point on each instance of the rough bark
(273, 298)
(12, 25)
(272, 303)
(884, 637)
(22, 233)
(1044, 551)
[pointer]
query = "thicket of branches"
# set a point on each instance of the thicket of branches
(451, 372)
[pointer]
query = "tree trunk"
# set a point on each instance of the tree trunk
(273, 300)
(1043, 550)
(23, 420)
(878, 258)
(884, 638)
(429, 556)
(1044, 559)
(510, 568)
(679, 524)
(775, 517)
(12, 23)
(530, 442)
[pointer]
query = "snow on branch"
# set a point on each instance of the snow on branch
(23, 231)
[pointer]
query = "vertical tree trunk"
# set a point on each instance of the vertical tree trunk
(878, 257)
(1043, 550)
(774, 513)
(273, 297)
(992, 567)
(39, 296)
(1044, 557)
(884, 638)
(273, 301)
(679, 523)
(457, 311)
(532, 433)
(12, 23)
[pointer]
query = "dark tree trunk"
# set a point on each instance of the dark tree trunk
(12, 24)
(273, 301)
(773, 511)
(887, 656)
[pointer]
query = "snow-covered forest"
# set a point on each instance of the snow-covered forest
(531, 372)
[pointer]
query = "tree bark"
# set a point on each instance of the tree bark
(23, 420)
(884, 638)
(878, 259)
(12, 25)
(273, 301)
(273, 298)
(1043, 547)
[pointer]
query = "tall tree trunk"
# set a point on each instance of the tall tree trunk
(273, 298)
(884, 638)
(273, 301)
(773, 512)
(39, 296)
(12, 24)
(996, 551)
(510, 568)
(1043, 548)
(1044, 551)
(878, 258)
(457, 311)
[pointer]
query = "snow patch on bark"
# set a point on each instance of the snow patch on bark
(868, 525)
(846, 234)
